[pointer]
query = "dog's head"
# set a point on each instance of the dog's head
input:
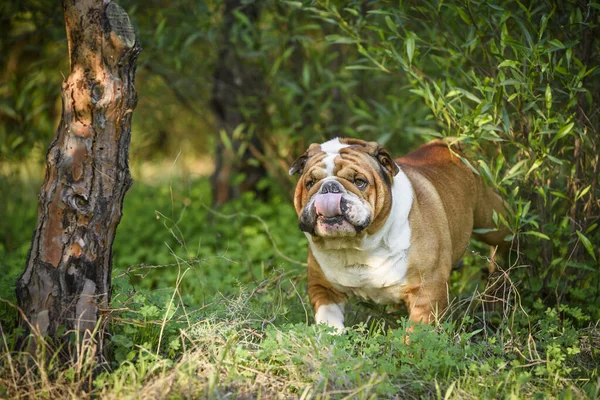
(344, 189)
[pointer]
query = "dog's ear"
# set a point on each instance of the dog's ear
(298, 165)
(378, 152)
(386, 160)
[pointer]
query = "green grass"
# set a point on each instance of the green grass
(214, 305)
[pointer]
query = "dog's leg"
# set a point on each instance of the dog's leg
(496, 289)
(427, 301)
(331, 315)
(327, 302)
(488, 203)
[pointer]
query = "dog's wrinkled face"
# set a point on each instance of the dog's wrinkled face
(344, 188)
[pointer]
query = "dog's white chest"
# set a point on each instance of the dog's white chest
(378, 276)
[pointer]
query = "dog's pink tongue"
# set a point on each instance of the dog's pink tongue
(328, 204)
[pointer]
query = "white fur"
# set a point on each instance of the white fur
(332, 148)
(359, 210)
(332, 315)
(377, 269)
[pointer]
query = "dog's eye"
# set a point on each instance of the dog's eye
(360, 183)
(309, 184)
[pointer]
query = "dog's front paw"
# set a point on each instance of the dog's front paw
(331, 315)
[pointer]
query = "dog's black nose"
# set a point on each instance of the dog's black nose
(331, 187)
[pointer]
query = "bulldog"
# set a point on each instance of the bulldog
(388, 230)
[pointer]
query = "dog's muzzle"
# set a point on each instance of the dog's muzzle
(334, 212)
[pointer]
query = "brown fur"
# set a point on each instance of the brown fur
(449, 202)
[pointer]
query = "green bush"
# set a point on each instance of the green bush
(519, 86)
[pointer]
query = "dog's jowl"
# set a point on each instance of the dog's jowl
(388, 230)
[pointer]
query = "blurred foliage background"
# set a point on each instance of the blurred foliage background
(236, 89)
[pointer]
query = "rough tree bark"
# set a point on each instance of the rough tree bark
(236, 79)
(67, 278)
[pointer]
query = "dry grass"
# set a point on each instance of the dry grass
(237, 353)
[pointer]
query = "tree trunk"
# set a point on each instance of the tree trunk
(237, 80)
(66, 282)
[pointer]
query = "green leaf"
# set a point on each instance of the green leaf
(537, 234)
(243, 18)
(510, 82)
(352, 11)
(557, 43)
(391, 24)
(563, 132)
(483, 231)
(469, 95)
(587, 244)
(360, 67)
(295, 4)
(305, 76)
(410, 47)
(8, 111)
(238, 131)
(286, 54)
(468, 164)
(160, 28)
(583, 192)
(577, 265)
(15, 143)
(543, 25)
(464, 16)
(339, 39)
(509, 63)
(535, 166)
(516, 170)
(379, 12)
(548, 96)
(486, 170)
(225, 140)
(554, 159)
